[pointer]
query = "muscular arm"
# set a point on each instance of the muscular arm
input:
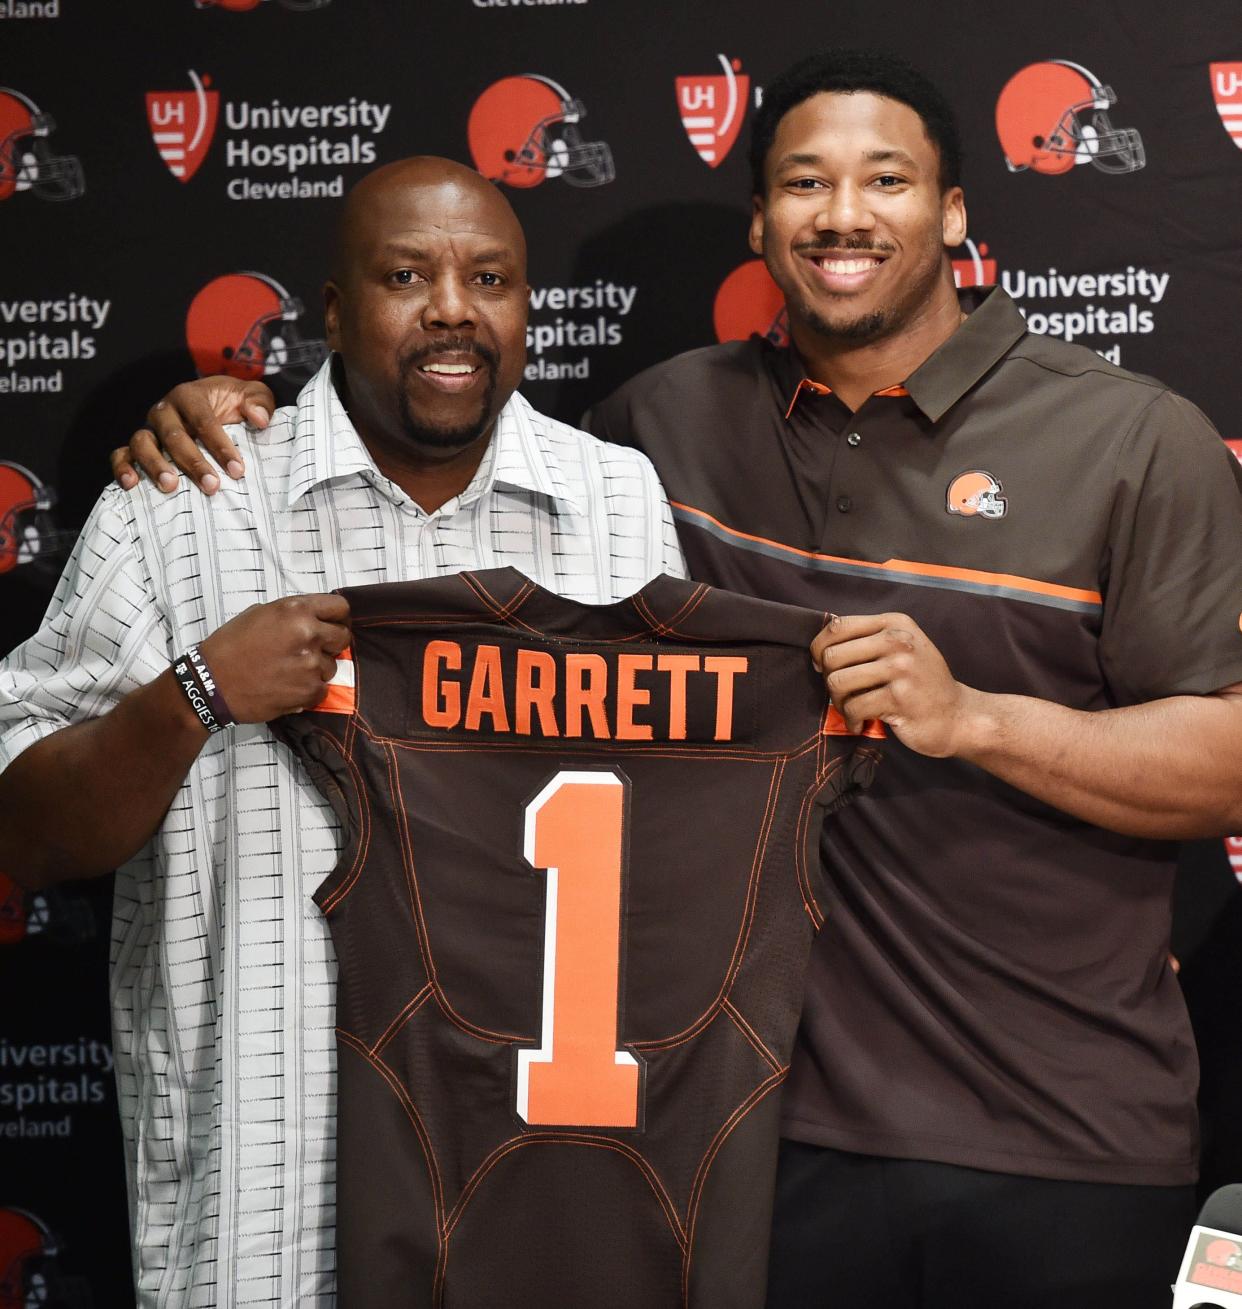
(1169, 769)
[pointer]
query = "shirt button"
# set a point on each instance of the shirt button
(853, 439)
(844, 503)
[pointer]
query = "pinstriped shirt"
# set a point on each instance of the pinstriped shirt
(223, 977)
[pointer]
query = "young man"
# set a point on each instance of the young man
(993, 1102)
(414, 457)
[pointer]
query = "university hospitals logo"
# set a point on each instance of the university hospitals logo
(246, 325)
(182, 125)
(712, 108)
(975, 268)
(26, 159)
(524, 130)
(1233, 848)
(1042, 122)
(1227, 92)
(750, 302)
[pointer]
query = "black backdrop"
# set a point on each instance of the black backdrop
(193, 142)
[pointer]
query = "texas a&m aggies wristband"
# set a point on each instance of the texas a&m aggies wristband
(195, 679)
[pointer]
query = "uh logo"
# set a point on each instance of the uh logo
(1227, 92)
(712, 108)
(182, 125)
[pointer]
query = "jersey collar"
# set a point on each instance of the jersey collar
(992, 328)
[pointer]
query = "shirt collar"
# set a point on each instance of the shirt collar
(326, 447)
(992, 328)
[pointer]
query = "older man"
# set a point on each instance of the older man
(410, 455)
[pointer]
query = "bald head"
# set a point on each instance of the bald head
(415, 193)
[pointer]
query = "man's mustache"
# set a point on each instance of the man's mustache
(451, 345)
(849, 243)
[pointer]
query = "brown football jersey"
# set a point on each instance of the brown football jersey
(579, 886)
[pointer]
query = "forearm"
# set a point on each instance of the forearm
(1171, 769)
(86, 798)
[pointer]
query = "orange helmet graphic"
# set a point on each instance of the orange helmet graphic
(28, 1273)
(974, 493)
(524, 129)
(245, 325)
(26, 161)
(27, 531)
(750, 302)
(1041, 122)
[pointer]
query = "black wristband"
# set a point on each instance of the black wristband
(195, 679)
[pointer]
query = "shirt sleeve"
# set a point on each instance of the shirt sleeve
(1173, 572)
(104, 635)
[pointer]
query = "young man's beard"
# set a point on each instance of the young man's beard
(861, 331)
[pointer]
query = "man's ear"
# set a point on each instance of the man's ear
(332, 314)
(953, 217)
(756, 224)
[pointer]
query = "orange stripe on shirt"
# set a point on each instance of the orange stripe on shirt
(910, 567)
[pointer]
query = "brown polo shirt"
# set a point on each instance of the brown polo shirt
(991, 987)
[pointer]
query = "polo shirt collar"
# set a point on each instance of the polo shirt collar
(327, 447)
(992, 328)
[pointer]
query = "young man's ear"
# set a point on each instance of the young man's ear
(756, 224)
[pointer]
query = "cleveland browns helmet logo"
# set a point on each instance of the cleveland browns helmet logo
(1041, 120)
(26, 160)
(524, 130)
(976, 493)
(27, 530)
(246, 325)
(750, 302)
(29, 1271)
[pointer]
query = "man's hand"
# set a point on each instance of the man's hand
(274, 658)
(883, 666)
(189, 413)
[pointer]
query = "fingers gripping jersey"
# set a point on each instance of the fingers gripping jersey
(571, 920)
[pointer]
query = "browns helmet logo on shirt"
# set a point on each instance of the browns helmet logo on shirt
(712, 108)
(748, 303)
(1227, 92)
(182, 125)
(524, 130)
(246, 325)
(26, 159)
(1053, 115)
(976, 493)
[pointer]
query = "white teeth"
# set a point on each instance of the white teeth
(452, 369)
(847, 265)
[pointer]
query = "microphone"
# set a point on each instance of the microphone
(1211, 1272)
